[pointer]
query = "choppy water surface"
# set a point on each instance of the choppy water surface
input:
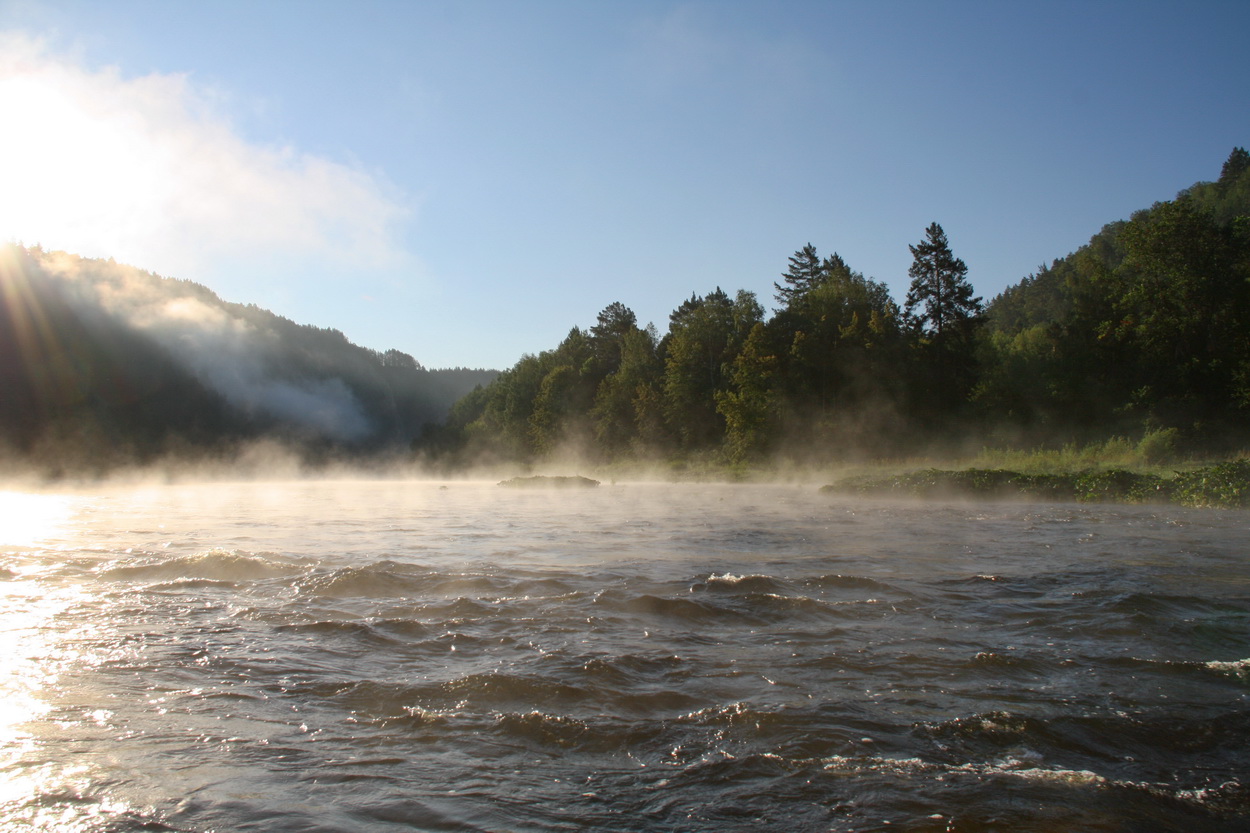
(410, 656)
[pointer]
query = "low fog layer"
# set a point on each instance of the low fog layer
(111, 359)
(244, 360)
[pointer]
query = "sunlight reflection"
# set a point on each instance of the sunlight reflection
(26, 519)
(29, 667)
(38, 649)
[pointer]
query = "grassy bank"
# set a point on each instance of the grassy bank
(1225, 485)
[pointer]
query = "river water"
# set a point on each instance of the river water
(387, 656)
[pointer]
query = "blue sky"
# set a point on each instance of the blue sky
(465, 181)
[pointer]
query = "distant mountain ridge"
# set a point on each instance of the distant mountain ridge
(103, 363)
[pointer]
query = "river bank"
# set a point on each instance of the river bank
(1222, 485)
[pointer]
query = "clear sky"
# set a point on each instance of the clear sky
(466, 181)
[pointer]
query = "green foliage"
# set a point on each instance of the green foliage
(626, 411)
(838, 351)
(806, 272)
(616, 323)
(1158, 446)
(705, 336)
(750, 405)
(1226, 485)
(103, 364)
(981, 483)
(1138, 334)
(1145, 325)
(1120, 485)
(1184, 310)
(1141, 333)
(1236, 166)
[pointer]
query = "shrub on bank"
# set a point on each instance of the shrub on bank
(1224, 485)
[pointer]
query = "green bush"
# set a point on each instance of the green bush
(1158, 447)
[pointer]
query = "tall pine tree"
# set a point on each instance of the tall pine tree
(946, 321)
(805, 273)
(939, 284)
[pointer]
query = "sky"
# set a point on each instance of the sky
(467, 181)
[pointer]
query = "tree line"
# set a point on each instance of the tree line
(1145, 328)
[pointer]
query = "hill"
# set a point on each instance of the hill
(103, 364)
(1145, 331)
(1147, 324)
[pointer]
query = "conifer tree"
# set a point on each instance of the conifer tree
(1237, 163)
(806, 272)
(947, 317)
(939, 284)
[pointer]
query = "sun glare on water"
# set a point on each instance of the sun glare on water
(27, 519)
(25, 608)
(34, 655)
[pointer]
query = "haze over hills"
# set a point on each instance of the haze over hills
(1141, 332)
(103, 364)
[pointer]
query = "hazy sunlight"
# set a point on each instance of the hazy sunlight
(66, 187)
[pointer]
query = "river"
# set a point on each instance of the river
(398, 656)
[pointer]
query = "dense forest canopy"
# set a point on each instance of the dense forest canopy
(1144, 329)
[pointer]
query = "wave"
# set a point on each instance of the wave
(1239, 668)
(329, 632)
(472, 693)
(232, 566)
(1118, 743)
(850, 583)
(544, 729)
(728, 582)
(649, 605)
(383, 579)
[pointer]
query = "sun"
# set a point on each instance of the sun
(76, 174)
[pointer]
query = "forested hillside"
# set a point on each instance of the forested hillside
(103, 364)
(1146, 325)
(1144, 329)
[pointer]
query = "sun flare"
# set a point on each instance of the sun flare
(73, 173)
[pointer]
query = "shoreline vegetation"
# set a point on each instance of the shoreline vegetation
(1118, 372)
(539, 481)
(1222, 485)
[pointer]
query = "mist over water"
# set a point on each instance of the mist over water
(378, 656)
